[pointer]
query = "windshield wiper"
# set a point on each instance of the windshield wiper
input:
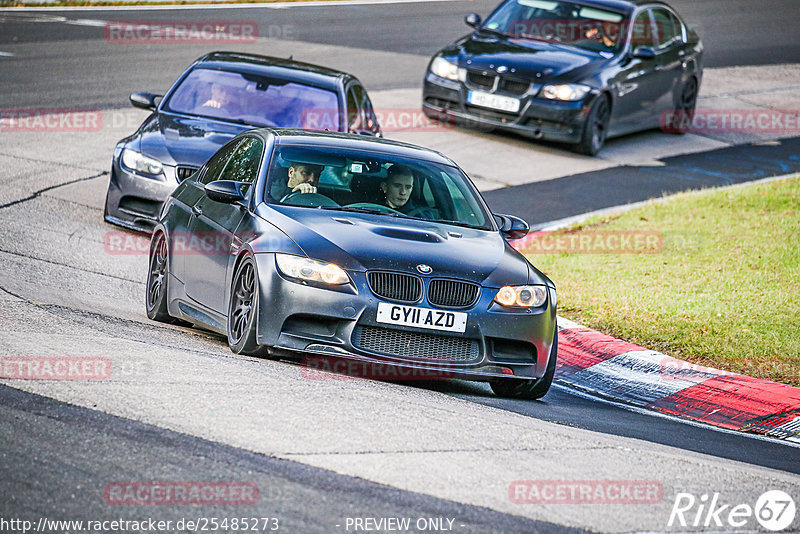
(493, 31)
(360, 209)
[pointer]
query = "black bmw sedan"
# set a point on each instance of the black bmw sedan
(216, 98)
(573, 71)
(343, 247)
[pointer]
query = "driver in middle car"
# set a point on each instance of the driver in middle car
(301, 178)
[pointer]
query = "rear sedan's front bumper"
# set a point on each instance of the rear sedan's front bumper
(296, 317)
(446, 100)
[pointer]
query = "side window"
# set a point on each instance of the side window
(666, 28)
(217, 163)
(366, 113)
(642, 31)
(352, 109)
(244, 163)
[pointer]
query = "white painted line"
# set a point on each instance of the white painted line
(87, 22)
(645, 411)
(262, 5)
(6, 54)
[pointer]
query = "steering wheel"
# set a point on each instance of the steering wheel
(297, 198)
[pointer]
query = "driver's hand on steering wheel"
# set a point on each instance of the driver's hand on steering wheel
(304, 188)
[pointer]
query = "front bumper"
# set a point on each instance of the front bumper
(298, 318)
(446, 100)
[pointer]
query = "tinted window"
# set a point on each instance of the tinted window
(244, 163)
(642, 31)
(216, 164)
(256, 100)
(667, 28)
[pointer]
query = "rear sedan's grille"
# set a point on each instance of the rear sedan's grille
(480, 80)
(516, 87)
(396, 286)
(452, 293)
(185, 172)
(415, 345)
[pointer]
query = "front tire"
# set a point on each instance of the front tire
(595, 130)
(687, 102)
(517, 388)
(243, 310)
(157, 275)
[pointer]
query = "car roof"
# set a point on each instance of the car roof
(287, 69)
(298, 137)
(621, 6)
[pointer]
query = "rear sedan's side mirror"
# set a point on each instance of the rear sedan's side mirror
(644, 52)
(144, 100)
(473, 19)
(513, 227)
(225, 191)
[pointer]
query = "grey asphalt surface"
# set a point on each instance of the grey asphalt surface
(78, 450)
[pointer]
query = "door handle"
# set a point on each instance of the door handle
(197, 210)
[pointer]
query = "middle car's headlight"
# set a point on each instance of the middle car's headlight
(446, 69)
(567, 91)
(521, 296)
(311, 270)
(139, 162)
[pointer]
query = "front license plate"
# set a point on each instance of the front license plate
(488, 100)
(422, 317)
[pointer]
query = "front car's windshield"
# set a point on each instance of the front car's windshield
(374, 182)
(252, 99)
(584, 27)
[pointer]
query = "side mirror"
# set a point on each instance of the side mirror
(513, 227)
(225, 191)
(144, 100)
(473, 19)
(644, 52)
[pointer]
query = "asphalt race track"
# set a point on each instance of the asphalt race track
(184, 408)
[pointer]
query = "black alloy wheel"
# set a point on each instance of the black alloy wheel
(595, 130)
(156, 297)
(243, 309)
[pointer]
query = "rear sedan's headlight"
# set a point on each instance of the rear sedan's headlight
(311, 270)
(139, 162)
(446, 69)
(567, 91)
(521, 296)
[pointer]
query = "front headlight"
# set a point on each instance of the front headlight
(445, 69)
(310, 270)
(568, 91)
(521, 296)
(139, 162)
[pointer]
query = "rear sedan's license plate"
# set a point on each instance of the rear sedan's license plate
(488, 100)
(448, 321)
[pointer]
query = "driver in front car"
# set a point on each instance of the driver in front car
(302, 178)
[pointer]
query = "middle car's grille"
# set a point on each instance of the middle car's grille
(452, 293)
(395, 286)
(415, 345)
(517, 87)
(185, 172)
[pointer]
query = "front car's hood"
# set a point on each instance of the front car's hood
(181, 140)
(362, 242)
(537, 61)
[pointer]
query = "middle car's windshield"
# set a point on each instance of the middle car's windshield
(375, 183)
(251, 99)
(556, 21)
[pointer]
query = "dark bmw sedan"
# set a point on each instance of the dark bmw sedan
(576, 71)
(352, 249)
(219, 96)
